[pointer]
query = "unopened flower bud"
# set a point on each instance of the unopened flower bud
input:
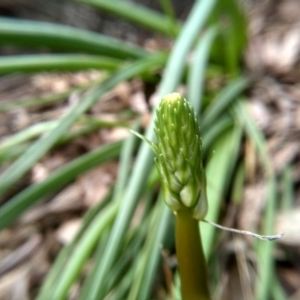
(179, 155)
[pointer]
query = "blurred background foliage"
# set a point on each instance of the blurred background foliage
(81, 213)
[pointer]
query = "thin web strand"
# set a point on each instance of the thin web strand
(249, 233)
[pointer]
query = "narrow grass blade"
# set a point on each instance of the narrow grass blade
(137, 14)
(232, 35)
(151, 253)
(60, 37)
(223, 100)
(218, 173)
(255, 135)
(56, 62)
(266, 250)
(15, 145)
(278, 292)
(123, 268)
(125, 161)
(198, 65)
(8, 155)
(288, 196)
(168, 9)
(42, 100)
(214, 131)
(27, 134)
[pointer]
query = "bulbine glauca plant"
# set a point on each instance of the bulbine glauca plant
(179, 161)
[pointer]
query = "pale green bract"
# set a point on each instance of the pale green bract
(179, 156)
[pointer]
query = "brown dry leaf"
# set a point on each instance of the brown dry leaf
(53, 83)
(284, 155)
(19, 119)
(115, 101)
(274, 52)
(96, 183)
(238, 276)
(5, 128)
(253, 202)
(69, 199)
(39, 173)
(75, 291)
(251, 160)
(288, 12)
(154, 99)
(289, 223)
(10, 238)
(138, 102)
(67, 231)
(50, 163)
(14, 87)
(260, 113)
(20, 255)
(296, 295)
(15, 285)
(113, 135)
(89, 142)
(291, 279)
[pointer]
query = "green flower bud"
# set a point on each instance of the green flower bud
(179, 155)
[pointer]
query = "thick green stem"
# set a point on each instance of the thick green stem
(191, 261)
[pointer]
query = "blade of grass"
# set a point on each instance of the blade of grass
(232, 36)
(150, 255)
(198, 65)
(144, 160)
(12, 147)
(27, 134)
(265, 251)
(277, 291)
(40, 147)
(169, 12)
(255, 135)
(214, 131)
(58, 179)
(56, 62)
(130, 249)
(60, 37)
(125, 161)
(47, 99)
(238, 184)
(223, 100)
(288, 197)
(88, 125)
(137, 14)
(218, 173)
(153, 252)
(9, 155)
